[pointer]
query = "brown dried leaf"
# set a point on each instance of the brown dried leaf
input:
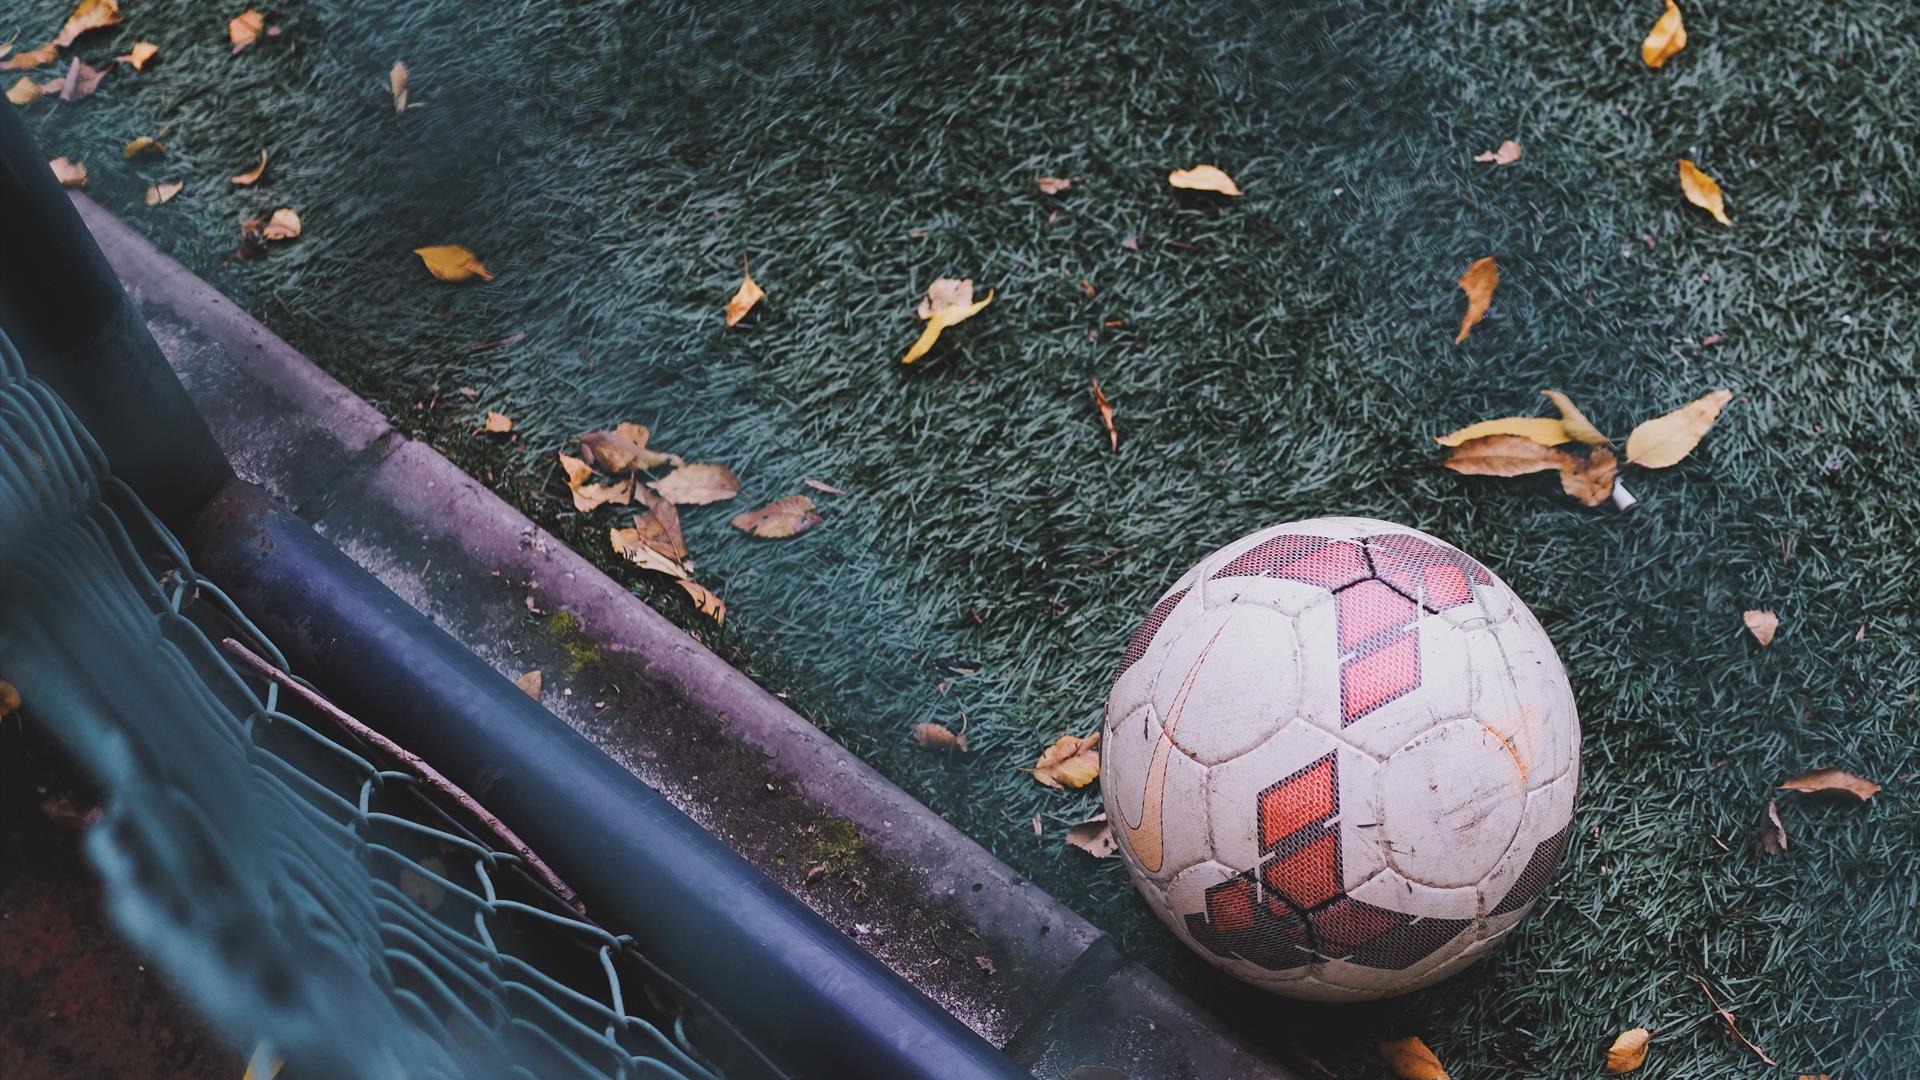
(628, 545)
(1667, 440)
(1575, 421)
(1203, 178)
(81, 80)
(31, 58)
(623, 450)
(397, 82)
(703, 598)
(1507, 153)
(9, 698)
(822, 485)
(283, 225)
(244, 29)
(1702, 191)
(1589, 477)
(1410, 1059)
(588, 497)
(90, 15)
(1773, 835)
(497, 423)
(1832, 781)
(1504, 455)
(1762, 624)
(938, 737)
(145, 144)
(781, 518)
(749, 294)
(1106, 414)
(1727, 1017)
(531, 683)
(1544, 430)
(448, 262)
(1053, 185)
(698, 484)
(25, 91)
(1668, 36)
(143, 51)
(159, 193)
(659, 525)
(251, 176)
(1629, 1051)
(1094, 836)
(1071, 762)
(69, 173)
(1481, 278)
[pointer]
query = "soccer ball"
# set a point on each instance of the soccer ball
(1340, 758)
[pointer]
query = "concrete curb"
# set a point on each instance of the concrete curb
(1002, 955)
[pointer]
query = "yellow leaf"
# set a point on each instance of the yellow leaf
(159, 193)
(1478, 283)
(1667, 440)
(1203, 178)
(143, 51)
(9, 698)
(1629, 1051)
(397, 82)
(90, 15)
(1667, 37)
(142, 145)
(586, 496)
(698, 485)
(1762, 625)
(32, 58)
(253, 175)
(69, 173)
(1053, 185)
(451, 262)
(1575, 421)
(244, 29)
(1702, 191)
(703, 598)
(780, 518)
(628, 544)
(1506, 153)
(283, 225)
(1071, 762)
(531, 683)
(940, 317)
(1544, 430)
(1106, 414)
(1410, 1059)
(25, 91)
(749, 294)
(1504, 455)
(659, 526)
(938, 737)
(1819, 781)
(1094, 836)
(1589, 477)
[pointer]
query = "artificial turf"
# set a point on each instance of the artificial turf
(1282, 355)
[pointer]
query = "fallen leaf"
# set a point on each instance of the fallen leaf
(145, 144)
(25, 91)
(253, 175)
(9, 698)
(938, 737)
(252, 244)
(1629, 1051)
(1726, 1016)
(749, 294)
(1762, 624)
(1053, 185)
(1773, 835)
(143, 51)
(1589, 477)
(90, 15)
(32, 58)
(659, 525)
(1504, 455)
(1071, 762)
(628, 544)
(587, 496)
(781, 518)
(1106, 414)
(1410, 1059)
(1666, 440)
(159, 193)
(81, 80)
(1094, 836)
(1575, 421)
(703, 598)
(283, 225)
(821, 485)
(397, 82)
(69, 173)
(531, 683)
(497, 423)
(1668, 36)
(698, 485)
(623, 450)
(244, 29)
(1820, 782)
(1203, 178)
(1481, 278)
(1506, 153)
(450, 262)
(1702, 191)
(948, 301)
(1541, 429)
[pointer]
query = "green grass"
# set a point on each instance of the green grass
(1282, 355)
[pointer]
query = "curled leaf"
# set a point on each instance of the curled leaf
(448, 262)
(698, 484)
(81, 80)
(244, 29)
(1702, 191)
(69, 173)
(31, 58)
(1668, 36)
(1203, 178)
(1094, 836)
(142, 52)
(1410, 1059)
(1817, 782)
(749, 294)
(623, 450)
(1575, 421)
(1504, 455)
(780, 518)
(938, 737)
(1589, 477)
(1773, 838)
(1053, 185)
(628, 544)
(531, 683)
(284, 224)
(90, 15)
(1629, 1051)
(1762, 625)
(1071, 762)
(253, 175)
(145, 144)
(1481, 278)
(397, 83)
(703, 598)
(948, 302)
(1666, 440)
(1506, 153)
(159, 193)
(589, 496)
(1541, 429)
(1106, 414)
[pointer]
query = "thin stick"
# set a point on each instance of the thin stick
(426, 773)
(1727, 1019)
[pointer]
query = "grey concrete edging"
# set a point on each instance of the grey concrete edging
(989, 946)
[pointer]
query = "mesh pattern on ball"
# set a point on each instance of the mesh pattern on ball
(1533, 880)
(1143, 638)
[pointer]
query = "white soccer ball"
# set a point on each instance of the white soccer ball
(1340, 757)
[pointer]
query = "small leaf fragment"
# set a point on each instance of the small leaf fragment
(1773, 835)
(1106, 414)
(1702, 191)
(244, 29)
(1667, 440)
(1668, 36)
(9, 698)
(159, 193)
(31, 58)
(25, 91)
(90, 15)
(1541, 429)
(781, 518)
(1203, 178)
(143, 51)
(1503, 455)
(938, 737)
(1629, 1051)
(448, 262)
(1094, 836)
(1410, 1059)
(252, 176)
(1479, 281)
(1506, 153)
(1820, 782)
(145, 144)
(703, 598)
(69, 173)
(1053, 185)
(628, 545)
(1575, 421)
(497, 423)
(948, 302)
(81, 80)
(749, 294)
(397, 82)
(284, 224)
(1589, 477)
(1071, 762)
(1762, 624)
(698, 484)
(589, 496)
(944, 293)
(822, 485)
(531, 683)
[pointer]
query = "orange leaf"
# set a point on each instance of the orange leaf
(9, 698)
(1203, 178)
(244, 29)
(750, 293)
(1762, 624)
(1702, 191)
(659, 525)
(698, 484)
(497, 423)
(587, 496)
(703, 598)
(1504, 455)
(159, 193)
(90, 15)
(1071, 762)
(938, 737)
(1106, 414)
(69, 173)
(283, 225)
(1478, 283)
(1589, 478)
(145, 144)
(1629, 1051)
(1834, 781)
(449, 262)
(531, 683)
(143, 51)
(1410, 1059)
(1668, 36)
(1053, 185)
(253, 175)
(1506, 153)
(25, 91)
(780, 518)
(630, 545)
(32, 58)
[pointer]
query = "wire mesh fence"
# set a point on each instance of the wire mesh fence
(305, 883)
